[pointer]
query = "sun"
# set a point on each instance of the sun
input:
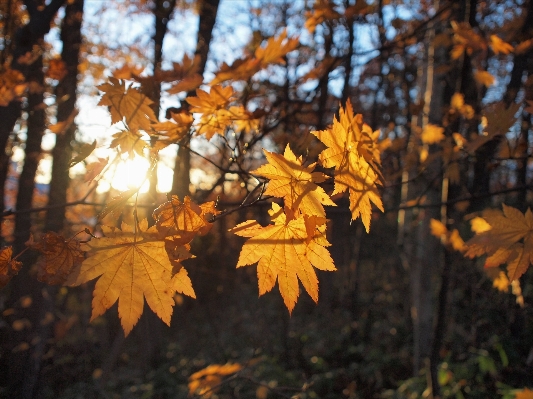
(128, 174)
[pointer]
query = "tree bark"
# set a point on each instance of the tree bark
(25, 38)
(182, 167)
(66, 103)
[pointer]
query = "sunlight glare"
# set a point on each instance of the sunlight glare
(129, 173)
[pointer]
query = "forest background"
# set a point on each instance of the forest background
(137, 129)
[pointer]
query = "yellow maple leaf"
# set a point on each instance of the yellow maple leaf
(8, 266)
(132, 265)
(499, 46)
(284, 252)
(484, 78)
(60, 256)
(295, 183)
(173, 131)
(206, 381)
(127, 104)
(215, 117)
(432, 134)
(509, 240)
(129, 142)
(354, 153)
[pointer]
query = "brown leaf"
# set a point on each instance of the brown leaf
(8, 266)
(60, 256)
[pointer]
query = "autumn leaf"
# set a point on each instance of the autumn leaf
(59, 257)
(127, 72)
(451, 239)
(187, 84)
(173, 131)
(353, 152)
(127, 104)
(93, 170)
(179, 219)
(116, 204)
(132, 265)
(525, 393)
(485, 78)
(276, 48)
(432, 134)
(8, 266)
(509, 240)
(284, 252)
(215, 117)
(295, 183)
(56, 69)
(205, 382)
(128, 142)
(499, 46)
(499, 121)
(85, 150)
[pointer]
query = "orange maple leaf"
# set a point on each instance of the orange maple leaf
(295, 183)
(215, 117)
(285, 252)
(353, 152)
(60, 256)
(8, 266)
(132, 264)
(127, 104)
(176, 218)
(509, 240)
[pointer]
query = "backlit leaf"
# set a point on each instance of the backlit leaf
(353, 152)
(509, 240)
(127, 104)
(284, 252)
(295, 183)
(131, 265)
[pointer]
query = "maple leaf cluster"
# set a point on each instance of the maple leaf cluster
(286, 250)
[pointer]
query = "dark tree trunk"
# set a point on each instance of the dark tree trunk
(182, 167)
(34, 134)
(25, 38)
(66, 99)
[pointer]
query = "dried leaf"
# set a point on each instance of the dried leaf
(60, 256)
(85, 150)
(8, 266)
